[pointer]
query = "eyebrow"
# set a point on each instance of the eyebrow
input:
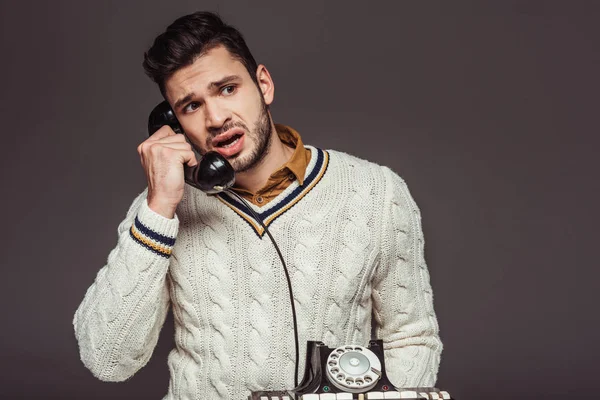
(183, 100)
(211, 86)
(218, 84)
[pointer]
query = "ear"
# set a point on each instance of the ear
(265, 84)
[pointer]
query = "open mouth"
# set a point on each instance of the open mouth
(229, 141)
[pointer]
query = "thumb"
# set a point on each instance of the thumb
(192, 162)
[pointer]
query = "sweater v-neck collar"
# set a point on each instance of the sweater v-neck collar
(285, 200)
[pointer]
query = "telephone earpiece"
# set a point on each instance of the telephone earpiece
(213, 173)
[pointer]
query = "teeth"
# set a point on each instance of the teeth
(232, 143)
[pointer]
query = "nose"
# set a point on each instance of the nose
(216, 114)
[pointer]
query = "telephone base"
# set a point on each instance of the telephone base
(406, 394)
(350, 372)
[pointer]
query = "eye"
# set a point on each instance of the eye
(228, 90)
(193, 106)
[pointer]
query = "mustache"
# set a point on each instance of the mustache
(227, 126)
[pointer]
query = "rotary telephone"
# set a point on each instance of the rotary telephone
(213, 174)
(349, 372)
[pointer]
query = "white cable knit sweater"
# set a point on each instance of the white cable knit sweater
(352, 240)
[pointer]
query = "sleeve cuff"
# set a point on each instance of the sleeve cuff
(153, 231)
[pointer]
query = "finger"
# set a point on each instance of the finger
(163, 151)
(161, 136)
(181, 151)
(162, 132)
(175, 145)
(177, 138)
(189, 158)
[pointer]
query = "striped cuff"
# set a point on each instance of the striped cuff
(153, 231)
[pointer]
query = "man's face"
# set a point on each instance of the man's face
(221, 108)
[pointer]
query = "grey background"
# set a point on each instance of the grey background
(488, 111)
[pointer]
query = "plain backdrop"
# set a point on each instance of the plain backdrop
(489, 111)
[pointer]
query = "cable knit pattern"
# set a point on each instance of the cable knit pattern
(259, 371)
(118, 322)
(404, 300)
(354, 248)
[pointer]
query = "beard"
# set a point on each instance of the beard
(261, 134)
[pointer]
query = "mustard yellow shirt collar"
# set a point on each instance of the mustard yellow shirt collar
(294, 168)
(299, 160)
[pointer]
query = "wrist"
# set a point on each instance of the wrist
(164, 209)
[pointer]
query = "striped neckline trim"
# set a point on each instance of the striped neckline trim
(284, 201)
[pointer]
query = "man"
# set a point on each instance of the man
(348, 229)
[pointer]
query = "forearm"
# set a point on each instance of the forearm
(413, 361)
(409, 330)
(402, 295)
(118, 322)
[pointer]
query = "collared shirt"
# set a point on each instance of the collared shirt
(279, 180)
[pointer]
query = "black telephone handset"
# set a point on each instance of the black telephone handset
(213, 173)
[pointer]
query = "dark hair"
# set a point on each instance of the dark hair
(188, 38)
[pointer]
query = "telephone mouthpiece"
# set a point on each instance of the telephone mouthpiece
(214, 174)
